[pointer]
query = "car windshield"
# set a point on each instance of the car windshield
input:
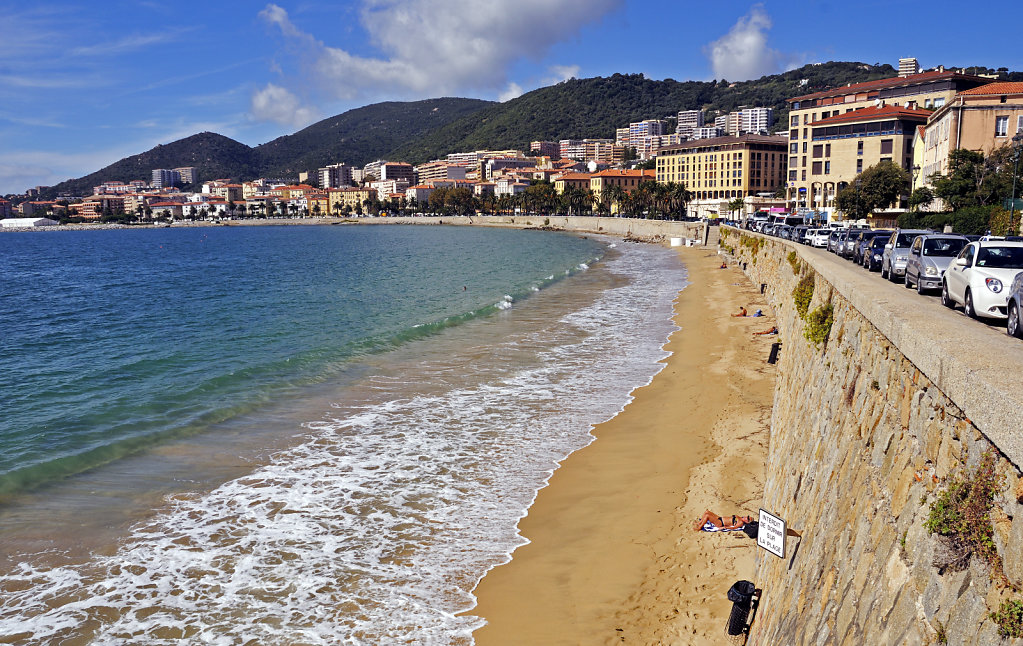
(879, 241)
(945, 247)
(1000, 257)
(905, 239)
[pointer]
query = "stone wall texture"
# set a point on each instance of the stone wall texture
(862, 442)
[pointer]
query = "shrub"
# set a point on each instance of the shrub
(1009, 619)
(961, 513)
(818, 324)
(803, 293)
(794, 262)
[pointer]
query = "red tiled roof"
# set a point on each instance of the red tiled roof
(1000, 87)
(884, 112)
(879, 84)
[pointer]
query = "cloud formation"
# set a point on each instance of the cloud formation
(742, 54)
(435, 48)
(275, 103)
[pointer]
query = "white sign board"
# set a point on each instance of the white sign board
(771, 534)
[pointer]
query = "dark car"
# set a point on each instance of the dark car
(848, 242)
(863, 243)
(874, 254)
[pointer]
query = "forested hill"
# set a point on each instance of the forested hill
(595, 107)
(419, 131)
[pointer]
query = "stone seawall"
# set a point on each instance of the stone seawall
(864, 440)
(629, 228)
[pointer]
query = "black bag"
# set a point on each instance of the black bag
(751, 529)
(741, 592)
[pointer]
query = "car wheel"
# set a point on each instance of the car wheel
(891, 274)
(946, 298)
(883, 274)
(968, 305)
(905, 281)
(919, 286)
(1012, 326)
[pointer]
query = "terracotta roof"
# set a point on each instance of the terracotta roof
(871, 114)
(880, 84)
(576, 176)
(1001, 87)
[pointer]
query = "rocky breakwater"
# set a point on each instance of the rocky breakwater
(892, 453)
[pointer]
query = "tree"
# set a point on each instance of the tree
(736, 205)
(877, 187)
(921, 197)
(974, 180)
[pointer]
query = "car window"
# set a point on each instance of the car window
(916, 245)
(943, 247)
(880, 241)
(967, 255)
(905, 239)
(1000, 257)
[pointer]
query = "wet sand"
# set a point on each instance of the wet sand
(612, 556)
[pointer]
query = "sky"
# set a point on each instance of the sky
(84, 84)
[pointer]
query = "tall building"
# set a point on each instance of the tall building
(647, 128)
(689, 120)
(725, 168)
(622, 136)
(908, 67)
(926, 90)
(165, 177)
(544, 149)
(707, 132)
(187, 174)
(335, 176)
(756, 120)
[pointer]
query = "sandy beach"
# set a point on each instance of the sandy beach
(612, 556)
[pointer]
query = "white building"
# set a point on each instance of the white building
(27, 223)
(688, 120)
(756, 120)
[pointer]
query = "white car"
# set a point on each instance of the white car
(818, 237)
(980, 276)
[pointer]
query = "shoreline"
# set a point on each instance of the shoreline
(612, 557)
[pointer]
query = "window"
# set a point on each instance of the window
(804, 161)
(886, 146)
(794, 121)
(938, 103)
(804, 175)
(827, 168)
(827, 150)
(794, 133)
(816, 169)
(792, 175)
(818, 151)
(1019, 123)
(859, 165)
(1001, 126)
(927, 103)
(804, 147)
(859, 148)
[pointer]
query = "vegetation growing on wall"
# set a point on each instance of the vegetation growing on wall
(803, 293)
(818, 324)
(962, 514)
(1009, 618)
(794, 263)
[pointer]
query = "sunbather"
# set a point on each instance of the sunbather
(773, 330)
(711, 522)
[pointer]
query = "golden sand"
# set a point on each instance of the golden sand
(612, 556)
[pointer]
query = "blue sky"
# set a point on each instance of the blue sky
(83, 84)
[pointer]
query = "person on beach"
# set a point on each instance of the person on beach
(773, 330)
(724, 265)
(742, 312)
(711, 522)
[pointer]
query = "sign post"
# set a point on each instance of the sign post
(771, 534)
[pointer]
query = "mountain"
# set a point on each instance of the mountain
(419, 131)
(595, 107)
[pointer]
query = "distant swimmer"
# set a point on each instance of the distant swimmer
(464, 288)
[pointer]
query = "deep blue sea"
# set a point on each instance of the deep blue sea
(296, 434)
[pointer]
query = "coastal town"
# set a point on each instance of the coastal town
(713, 166)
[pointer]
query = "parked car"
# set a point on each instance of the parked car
(1014, 326)
(819, 238)
(849, 242)
(863, 242)
(799, 233)
(929, 257)
(874, 254)
(833, 239)
(896, 252)
(978, 277)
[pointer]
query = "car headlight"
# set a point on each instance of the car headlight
(930, 270)
(877, 256)
(993, 284)
(901, 258)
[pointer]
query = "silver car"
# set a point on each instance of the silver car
(896, 252)
(929, 257)
(1014, 325)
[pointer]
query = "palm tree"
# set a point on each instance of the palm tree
(612, 195)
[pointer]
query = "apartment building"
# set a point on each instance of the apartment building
(353, 198)
(926, 90)
(707, 132)
(187, 174)
(164, 177)
(981, 119)
(908, 67)
(545, 149)
(844, 145)
(647, 128)
(335, 176)
(724, 168)
(572, 180)
(689, 120)
(439, 170)
(756, 120)
(628, 180)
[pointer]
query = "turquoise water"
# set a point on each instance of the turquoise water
(281, 435)
(114, 340)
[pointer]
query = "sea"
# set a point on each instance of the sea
(297, 434)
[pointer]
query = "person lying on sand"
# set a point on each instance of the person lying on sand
(742, 312)
(711, 522)
(773, 330)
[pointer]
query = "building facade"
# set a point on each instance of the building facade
(725, 168)
(335, 176)
(688, 120)
(926, 90)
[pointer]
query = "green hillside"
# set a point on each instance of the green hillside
(595, 107)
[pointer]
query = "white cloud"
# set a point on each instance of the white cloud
(742, 54)
(513, 91)
(561, 73)
(275, 103)
(440, 47)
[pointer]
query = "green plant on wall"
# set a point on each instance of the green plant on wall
(794, 262)
(803, 293)
(1009, 618)
(818, 324)
(962, 514)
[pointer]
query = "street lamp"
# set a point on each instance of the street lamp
(1017, 148)
(912, 183)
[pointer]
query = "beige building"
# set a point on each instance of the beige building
(980, 119)
(724, 168)
(349, 197)
(628, 180)
(928, 90)
(573, 180)
(843, 146)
